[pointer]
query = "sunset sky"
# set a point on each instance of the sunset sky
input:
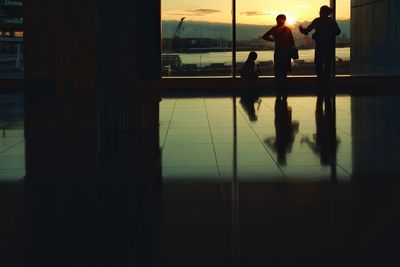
(248, 11)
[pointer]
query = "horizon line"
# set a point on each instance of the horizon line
(214, 22)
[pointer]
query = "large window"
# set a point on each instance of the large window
(343, 40)
(255, 17)
(11, 39)
(197, 35)
(197, 38)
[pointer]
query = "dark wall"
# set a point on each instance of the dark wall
(39, 38)
(91, 128)
(127, 47)
(149, 22)
(374, 37)
(86, 63)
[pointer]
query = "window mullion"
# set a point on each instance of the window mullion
(234, 38)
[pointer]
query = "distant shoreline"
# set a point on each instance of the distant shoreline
(203, 58)
(229, 49)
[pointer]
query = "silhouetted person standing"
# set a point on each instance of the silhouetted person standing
(326, 30)
(283, 38)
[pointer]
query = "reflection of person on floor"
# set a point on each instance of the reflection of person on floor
(325, 141)
(283, 39)
(326, 30)
(285, 131)
(247, 103)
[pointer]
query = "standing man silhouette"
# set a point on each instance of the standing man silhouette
(326, 30)
(283, 38)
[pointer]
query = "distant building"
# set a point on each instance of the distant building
(11, 36)
(195, 44)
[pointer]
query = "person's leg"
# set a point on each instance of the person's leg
(277, 82)
(283, 86)
(279, 78)
(328, 72)
(277, 86)
(319, 69)
(281, 71)
(328, 89)
(287, 69)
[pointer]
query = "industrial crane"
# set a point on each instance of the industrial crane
(173, 60)
(178, 31)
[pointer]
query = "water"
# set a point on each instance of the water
(204, 59)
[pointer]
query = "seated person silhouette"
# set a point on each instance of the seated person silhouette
(250, 69)
(249, 73)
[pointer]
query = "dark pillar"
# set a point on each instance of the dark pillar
(91, 129)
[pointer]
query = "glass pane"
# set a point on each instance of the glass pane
(196, 38)
(12, 141)
(343, 8)
(255, 17)
(375, 48)
(11, 40)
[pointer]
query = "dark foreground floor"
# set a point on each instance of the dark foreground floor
(245, 183)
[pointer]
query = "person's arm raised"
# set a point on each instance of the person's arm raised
(267, 35)
(337, 30)
(310, 27)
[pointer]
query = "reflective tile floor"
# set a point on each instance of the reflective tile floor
(215, 138)
(246, 182)
(12, 146)
(273, 183)
(12, 172)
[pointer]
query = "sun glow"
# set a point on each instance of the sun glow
(291, 21)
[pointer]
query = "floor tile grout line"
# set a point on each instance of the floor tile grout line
(326, 154)
(8, 148)
(301, 106)
(220, 182)
(247, 125)
(309, 111)
(343, 169)
(211, 135)
(169, 124)
(265, 104)
(262, 143)
(302, 134)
